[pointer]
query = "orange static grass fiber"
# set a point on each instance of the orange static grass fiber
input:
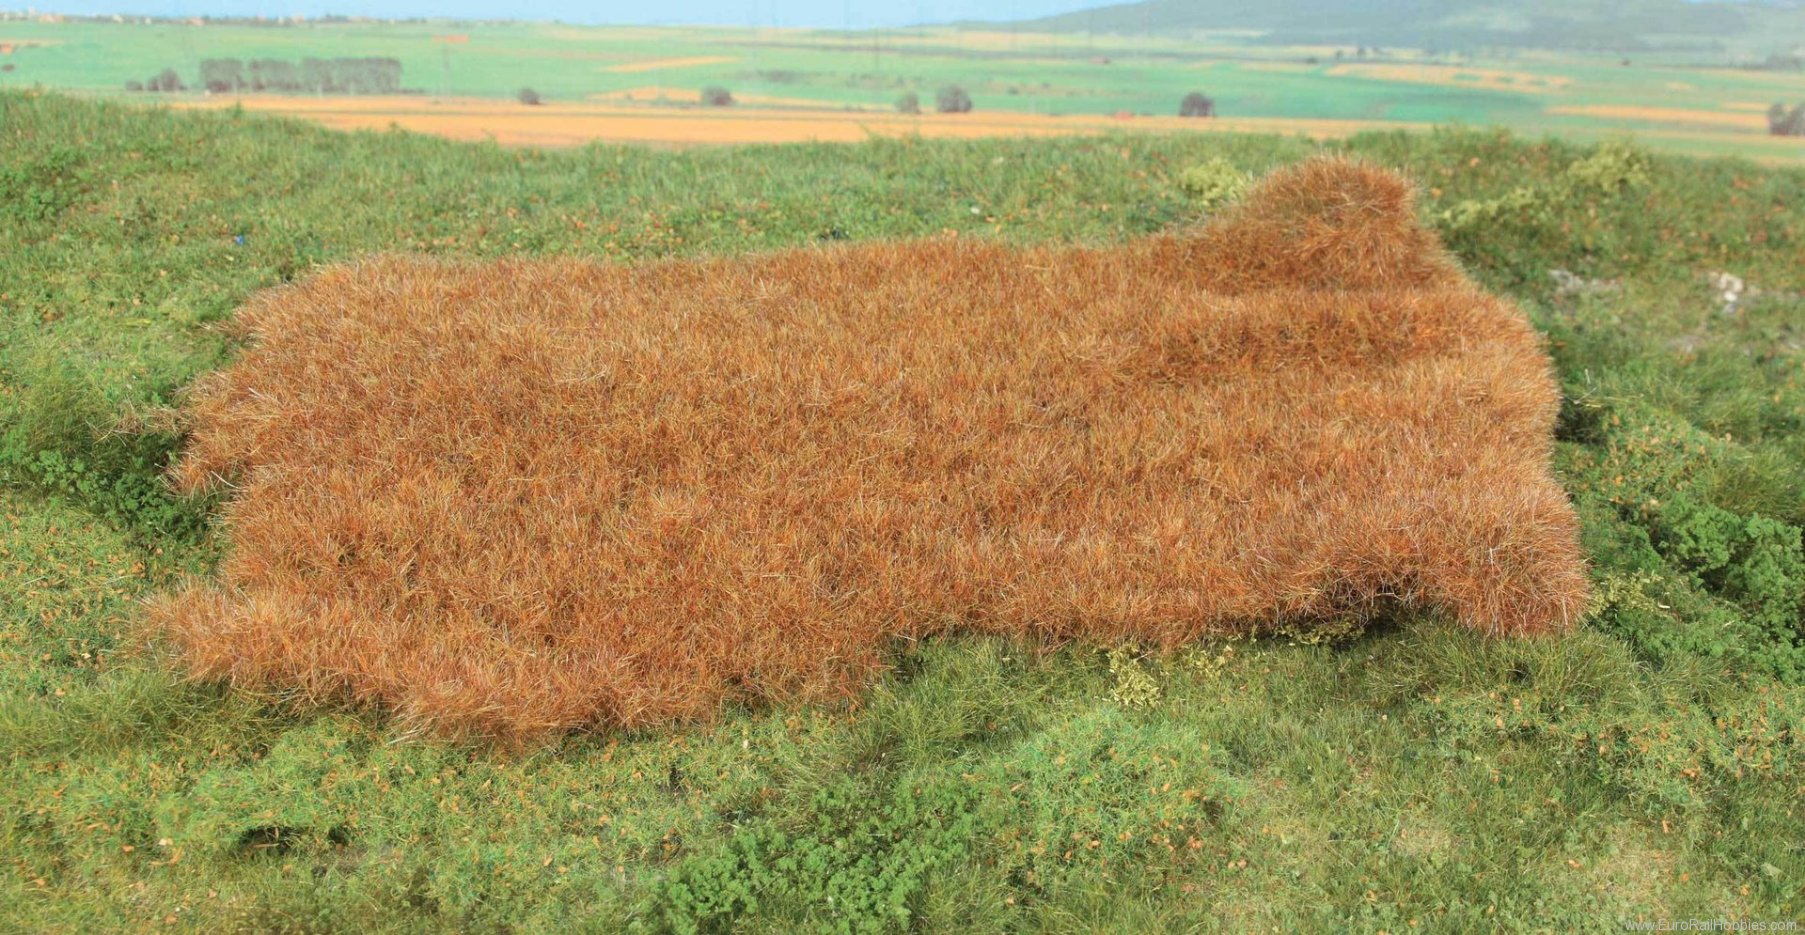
(512, 498)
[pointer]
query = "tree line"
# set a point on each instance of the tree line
(952, 99)
(309, 76)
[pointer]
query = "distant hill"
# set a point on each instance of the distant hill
(1617, 25)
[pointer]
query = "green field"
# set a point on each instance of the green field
(1712, 109)
(1412, 777)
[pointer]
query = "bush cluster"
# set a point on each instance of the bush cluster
(1614, 169)
(952, 99)
(1691, 567)
(1782, 121)
(1197, 104)
(860, 866)
(61, 435)
(1213, 183)
(1513, 233)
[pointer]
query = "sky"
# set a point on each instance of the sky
(831, 14)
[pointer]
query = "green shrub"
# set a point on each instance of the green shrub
(1768, 579)
(859, 864)
(1682, 575)
(1212, 183)
(1584, 205)
(1614, 168)
(1699, 537)
(1755, 562)
(61, 435)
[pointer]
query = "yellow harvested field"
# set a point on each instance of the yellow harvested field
(512, 124)
(1454, 76)
(659, 64)
(1753, 107)
(1754, 123)
(1281, 67)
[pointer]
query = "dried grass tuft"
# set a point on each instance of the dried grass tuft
(518, 497)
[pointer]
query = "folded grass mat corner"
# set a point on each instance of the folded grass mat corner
(512, 498)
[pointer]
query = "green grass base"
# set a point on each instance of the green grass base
(1410, 778)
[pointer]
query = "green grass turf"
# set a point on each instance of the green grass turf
(1409, 778)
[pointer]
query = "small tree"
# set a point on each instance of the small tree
(165, 80)
(717, 96)
(908, 104)
(134, 85)
(952, 99)
(271, 74)
(316, 76)
(529, 97)
(1786, 123)
(1197, 104)
(1783, 122)
(222, 75)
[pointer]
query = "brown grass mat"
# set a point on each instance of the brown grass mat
(516, 497)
